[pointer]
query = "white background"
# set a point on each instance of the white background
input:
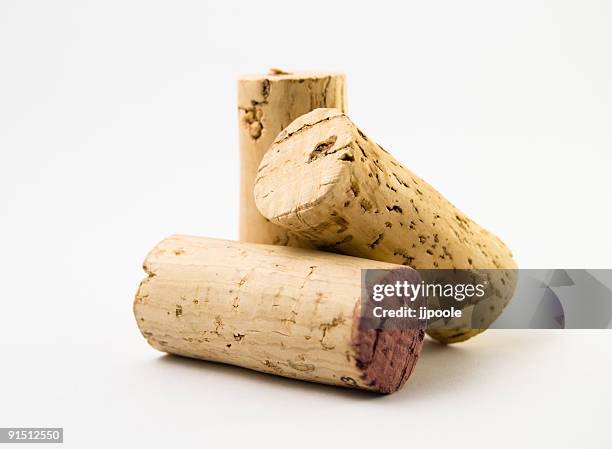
(118, 128)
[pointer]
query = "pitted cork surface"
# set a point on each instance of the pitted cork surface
(266, 105)
(326, 182)
(286, 311)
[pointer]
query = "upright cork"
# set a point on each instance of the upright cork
(266, 105)
(354, 198)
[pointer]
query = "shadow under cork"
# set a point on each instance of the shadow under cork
(442, 369)
(257, 379)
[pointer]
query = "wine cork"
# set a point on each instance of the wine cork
(266, 105)
(287, 311)
(355, 198)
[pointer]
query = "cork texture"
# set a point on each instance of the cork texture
(266, 105)
(286, 311)
(354, 198)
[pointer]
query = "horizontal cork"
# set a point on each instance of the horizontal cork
(355, 198)
(286, 311)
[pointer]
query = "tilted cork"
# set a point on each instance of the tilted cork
(327, 183)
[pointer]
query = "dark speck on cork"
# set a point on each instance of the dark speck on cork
(265, 89)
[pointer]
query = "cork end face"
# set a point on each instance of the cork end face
(307, 163)
(387, 357)
(306, 121)
(387, 350)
